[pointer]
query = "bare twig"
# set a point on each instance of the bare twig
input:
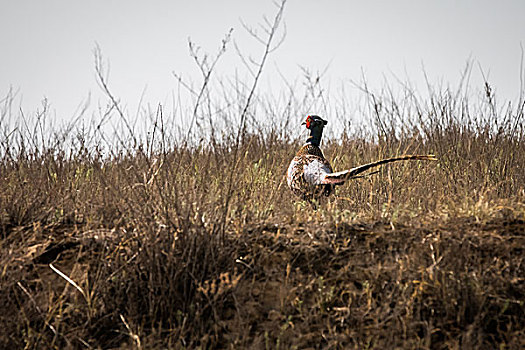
(102, 80)
(242, 123)
(131, 334)
(69, 280)
(206, 71)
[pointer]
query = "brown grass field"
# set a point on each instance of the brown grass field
(203, 246)
(190, 238)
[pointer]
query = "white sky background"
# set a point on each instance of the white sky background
(46, 46)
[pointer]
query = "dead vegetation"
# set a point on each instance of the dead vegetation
(156, 250)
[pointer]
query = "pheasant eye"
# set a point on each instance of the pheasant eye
(308, 121)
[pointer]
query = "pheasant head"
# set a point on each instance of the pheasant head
(315, 124)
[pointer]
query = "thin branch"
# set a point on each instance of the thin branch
(69, 280)
(242, 124)
(102, 82)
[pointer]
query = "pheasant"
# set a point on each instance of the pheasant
(310, 175)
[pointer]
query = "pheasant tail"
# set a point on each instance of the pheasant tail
(342, 176)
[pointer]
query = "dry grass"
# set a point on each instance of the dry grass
(171, 248)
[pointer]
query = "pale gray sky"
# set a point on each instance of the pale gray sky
(46, 45)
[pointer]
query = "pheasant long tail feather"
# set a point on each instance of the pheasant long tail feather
(341, 176)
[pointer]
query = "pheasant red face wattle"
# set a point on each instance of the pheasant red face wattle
(308, 119)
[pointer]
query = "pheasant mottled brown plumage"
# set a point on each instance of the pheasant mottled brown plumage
(310, 175)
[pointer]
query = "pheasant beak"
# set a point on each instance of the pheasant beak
(303, 123)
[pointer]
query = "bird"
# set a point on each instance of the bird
(310, 175)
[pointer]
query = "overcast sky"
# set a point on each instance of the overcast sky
(47, 46)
